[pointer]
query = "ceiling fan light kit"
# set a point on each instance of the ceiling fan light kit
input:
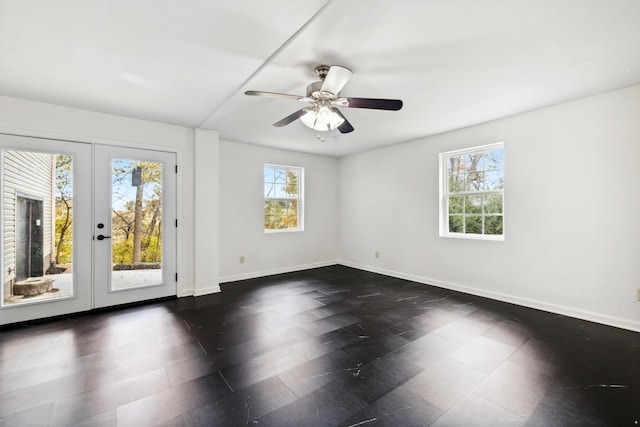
(321, 119)
(324, 97)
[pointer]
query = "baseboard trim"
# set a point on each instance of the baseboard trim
(539, 305)
(206, 291)
(288, 269)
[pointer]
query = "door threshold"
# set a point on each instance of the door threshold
(34, 322)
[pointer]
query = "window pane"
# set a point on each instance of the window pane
(136, 223)
(292, 209)
(455, 165)
(493, 204)
(473, 205)
(494, 180)
(291, 191)
(494, 159)
(272, 210)
(280, 176)
(455, 205)
(37, 217)
(292, 184)
(269, 190)
(475, 181)
(456, 183)
(455, 224)
(275, 214)
(473, 162)
(473, 224)
(281, 191)
(268, 174)
(269, 222)
(493, 225)
(292, 214)
(292, 176)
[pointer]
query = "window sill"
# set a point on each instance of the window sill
(282, 230)
(489, 237)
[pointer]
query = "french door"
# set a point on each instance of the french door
(83, 226)
(134, 232)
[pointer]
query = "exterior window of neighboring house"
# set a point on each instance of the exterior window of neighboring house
(472, 193)
(283, 202)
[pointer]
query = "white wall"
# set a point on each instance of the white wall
(242, 213)
(206, 211)
(572, 203)
(35, 119)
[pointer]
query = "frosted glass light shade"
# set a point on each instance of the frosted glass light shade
(322, 119)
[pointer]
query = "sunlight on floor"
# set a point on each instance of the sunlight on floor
(63, 285)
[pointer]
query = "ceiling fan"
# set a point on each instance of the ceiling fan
(324, 96)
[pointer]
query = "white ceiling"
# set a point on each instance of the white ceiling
(454, 63)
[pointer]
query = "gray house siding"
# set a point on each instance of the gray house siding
(28, 176)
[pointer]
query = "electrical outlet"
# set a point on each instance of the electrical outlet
(377, 254)
(242, 260)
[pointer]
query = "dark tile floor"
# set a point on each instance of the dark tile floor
(332, 346)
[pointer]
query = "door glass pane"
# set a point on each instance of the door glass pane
(37, 234)
(136, 224)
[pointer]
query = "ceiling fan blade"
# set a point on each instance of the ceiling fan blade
(346, 126)
(373, 103)
(336, 78)
(275, 95)
(291, 118)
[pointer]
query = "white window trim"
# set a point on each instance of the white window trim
(444, 206)
(300, 226)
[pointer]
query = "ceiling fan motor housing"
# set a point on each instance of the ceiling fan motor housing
(314, 88)
(314, 91)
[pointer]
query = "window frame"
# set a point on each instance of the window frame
(299, 199)
(444, 194)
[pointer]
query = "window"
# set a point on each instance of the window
(283, 198)
(472, 193)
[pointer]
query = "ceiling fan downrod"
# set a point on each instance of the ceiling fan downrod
(322, 71)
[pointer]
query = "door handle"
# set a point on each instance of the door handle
(101, 237)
